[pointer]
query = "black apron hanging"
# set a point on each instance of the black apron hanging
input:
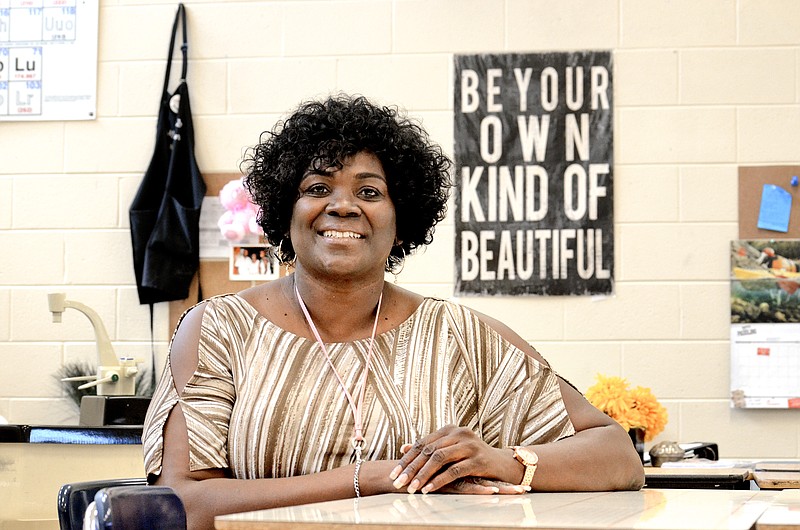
(165, 213)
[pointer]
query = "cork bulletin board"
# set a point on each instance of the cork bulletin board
(214, 273)
(751, 183)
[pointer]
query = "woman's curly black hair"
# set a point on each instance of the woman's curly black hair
(321, 134)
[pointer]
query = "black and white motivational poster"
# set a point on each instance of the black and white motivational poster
(534, 172)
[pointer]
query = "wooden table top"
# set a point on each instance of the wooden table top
(666, 509)
(777, 479)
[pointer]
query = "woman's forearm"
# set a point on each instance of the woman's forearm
(207, 498)
(595, 459)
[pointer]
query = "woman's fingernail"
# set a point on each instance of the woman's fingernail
(527, 488)
(495, 489)
(413, 486)
(427, 489)
(401, 481)
(395, 472)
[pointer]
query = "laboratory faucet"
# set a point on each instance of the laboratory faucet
(115, 376)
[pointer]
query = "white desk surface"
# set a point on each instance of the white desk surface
(783, 513)
(664, 509)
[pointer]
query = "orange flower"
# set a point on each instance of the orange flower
(633, 409)
(653, 416)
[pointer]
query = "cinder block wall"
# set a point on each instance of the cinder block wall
(700, 87)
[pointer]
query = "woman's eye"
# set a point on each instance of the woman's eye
(369, 193)
(316, 190)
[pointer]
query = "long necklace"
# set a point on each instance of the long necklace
(356, 408)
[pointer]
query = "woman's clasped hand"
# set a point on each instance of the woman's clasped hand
(453, 460)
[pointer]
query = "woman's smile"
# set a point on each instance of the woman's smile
(333, 234)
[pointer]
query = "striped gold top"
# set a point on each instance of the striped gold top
(264, 402)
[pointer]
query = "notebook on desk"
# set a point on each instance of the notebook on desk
(687, 477)
(725, 474)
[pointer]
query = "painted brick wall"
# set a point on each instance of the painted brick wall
(701, 87)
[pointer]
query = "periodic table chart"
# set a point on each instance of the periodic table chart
(48, 60)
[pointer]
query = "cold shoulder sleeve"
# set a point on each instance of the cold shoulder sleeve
(519, 399)
(207, 399)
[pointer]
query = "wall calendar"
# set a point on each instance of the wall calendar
(48, 60)
(765, 323)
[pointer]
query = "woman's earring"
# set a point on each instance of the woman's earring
(402, 264)
(287, 263)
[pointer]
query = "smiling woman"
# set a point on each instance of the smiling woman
(331, 383)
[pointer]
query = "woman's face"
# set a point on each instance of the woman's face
(343, 221)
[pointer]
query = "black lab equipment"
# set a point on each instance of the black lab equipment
(165, 214)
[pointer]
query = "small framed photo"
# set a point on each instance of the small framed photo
(253, 262)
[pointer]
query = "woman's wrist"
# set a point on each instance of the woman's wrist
(373, 477)
(509, 469)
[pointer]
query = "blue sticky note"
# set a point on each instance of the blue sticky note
(776, 205)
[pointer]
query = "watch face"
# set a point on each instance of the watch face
(528, 456)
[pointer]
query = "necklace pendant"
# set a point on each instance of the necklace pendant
(358, 445)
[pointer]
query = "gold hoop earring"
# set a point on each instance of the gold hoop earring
(288, 263)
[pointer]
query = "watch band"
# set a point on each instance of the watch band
(528, 476)
(529, 459)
